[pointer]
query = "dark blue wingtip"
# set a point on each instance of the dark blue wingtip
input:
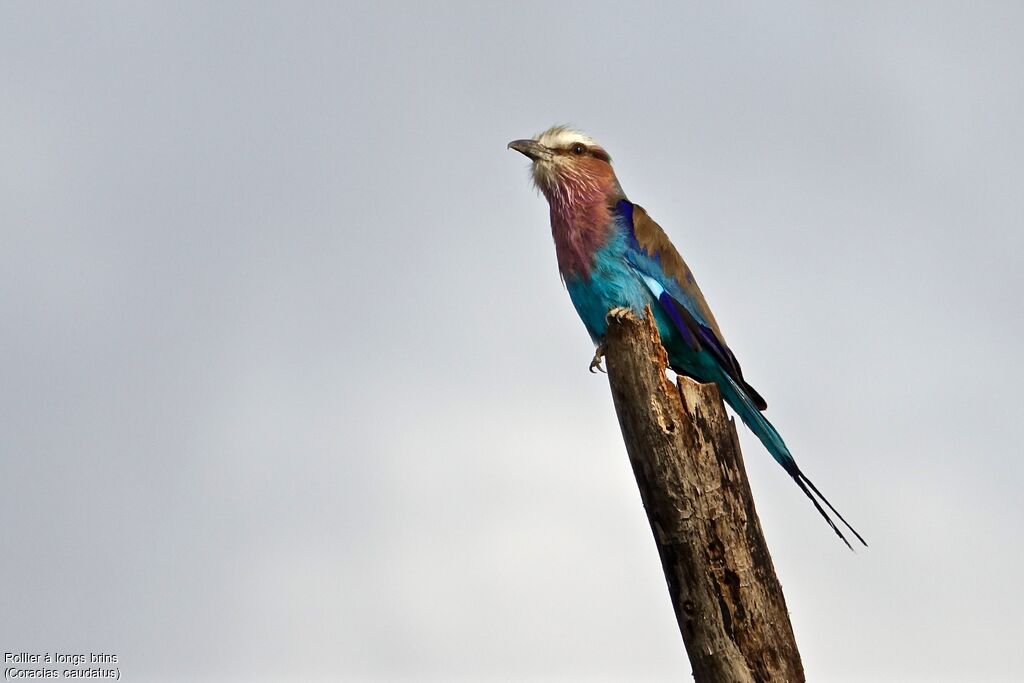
(669, 305)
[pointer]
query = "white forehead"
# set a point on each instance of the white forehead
(561, 137)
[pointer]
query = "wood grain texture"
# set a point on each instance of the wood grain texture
(687, 461)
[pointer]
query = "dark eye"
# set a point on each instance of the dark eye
(579, 148)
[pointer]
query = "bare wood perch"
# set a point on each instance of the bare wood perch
(687, 461)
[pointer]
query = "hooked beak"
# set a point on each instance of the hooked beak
(530, 148)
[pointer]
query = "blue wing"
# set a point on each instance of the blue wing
(653, 257)
(703, 353)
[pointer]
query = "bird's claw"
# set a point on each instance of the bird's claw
(595, 364)
(620, 313)
(617, 314)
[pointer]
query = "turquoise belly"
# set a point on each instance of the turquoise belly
(612, 283)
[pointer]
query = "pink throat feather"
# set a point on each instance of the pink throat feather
(580, 220)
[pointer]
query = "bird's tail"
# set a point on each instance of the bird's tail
(736, 397)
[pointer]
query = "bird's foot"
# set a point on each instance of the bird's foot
(620, 313)
(595, 364)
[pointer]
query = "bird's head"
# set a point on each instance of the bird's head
(575, 174)
(569, 167)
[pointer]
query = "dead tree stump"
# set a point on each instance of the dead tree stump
(687, 461)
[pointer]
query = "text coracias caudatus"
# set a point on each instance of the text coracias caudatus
(614, 258)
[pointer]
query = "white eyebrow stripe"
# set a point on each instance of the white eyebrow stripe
(561, 137)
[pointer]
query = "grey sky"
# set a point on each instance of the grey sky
(291, 387)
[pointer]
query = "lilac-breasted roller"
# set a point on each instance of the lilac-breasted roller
(614, 258)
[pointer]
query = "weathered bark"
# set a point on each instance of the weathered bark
(688, 465)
